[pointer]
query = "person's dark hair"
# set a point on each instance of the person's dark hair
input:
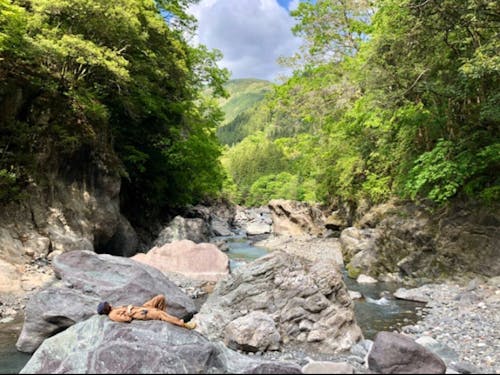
(103, 308)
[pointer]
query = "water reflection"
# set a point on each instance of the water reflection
(11, 360)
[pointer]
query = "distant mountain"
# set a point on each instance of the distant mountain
(243, 110)
(244, 94)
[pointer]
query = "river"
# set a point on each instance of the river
(373, 312)
(11, 360)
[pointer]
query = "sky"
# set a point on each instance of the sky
(251, 34)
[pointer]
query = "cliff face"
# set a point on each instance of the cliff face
(69, 214)
(418, 242)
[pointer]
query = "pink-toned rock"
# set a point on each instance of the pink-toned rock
(203, 261)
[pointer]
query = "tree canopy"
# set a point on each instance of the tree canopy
(396, 97)
(114, 84)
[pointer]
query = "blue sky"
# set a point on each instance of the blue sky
(284, 3)
(251, 34)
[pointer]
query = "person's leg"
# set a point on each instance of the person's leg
(162, 315)
(157, 302)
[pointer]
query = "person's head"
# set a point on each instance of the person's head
(103, 308)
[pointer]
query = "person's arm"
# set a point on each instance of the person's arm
(120, 315)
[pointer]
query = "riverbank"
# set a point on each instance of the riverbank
(462, 317)
(465, 321)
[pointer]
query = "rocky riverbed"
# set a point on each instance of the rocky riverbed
(460, 322)
(464, 320)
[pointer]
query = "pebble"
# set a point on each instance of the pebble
(470, 329)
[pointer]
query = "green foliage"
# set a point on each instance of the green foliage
(439, 172)
(388, 98)
(244, 110)
(9, 187)
(112, 84)
(242, 95)
(283, 185)
(254, 157)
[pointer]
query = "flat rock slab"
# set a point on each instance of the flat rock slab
(416, 295)
(325, 367)
(99, 345)
(85, 279)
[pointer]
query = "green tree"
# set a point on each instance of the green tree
(113, 85)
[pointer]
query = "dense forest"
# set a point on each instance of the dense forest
(388, 98)
(113, 84)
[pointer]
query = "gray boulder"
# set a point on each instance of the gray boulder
(416, 295)
(393, 353)
(443, 351)
(84, 280)
(255, 332)
(308, 302)
(98, 345)
(179, 228)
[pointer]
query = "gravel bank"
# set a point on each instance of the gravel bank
(465, 321)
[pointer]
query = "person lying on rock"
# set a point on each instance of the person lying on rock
(154, 309)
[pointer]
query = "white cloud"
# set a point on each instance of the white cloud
(251, 34)
(294, 4)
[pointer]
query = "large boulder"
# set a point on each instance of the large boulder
(203, 261)
(219, 216)
(180, 228)
(296, 218)
(84, 280)
(255, 332)
(393, 353)
(253, 221)
(98, 345)
(307, 300)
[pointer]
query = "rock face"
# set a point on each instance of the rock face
(98, 345)
(409, 240)
(219, 216)
(254, 221)
(296, 218)
(308, 302)
(70, 216)
(179, 228)
(393, 353)
(255, 332)
(202, 261)
(84, 280)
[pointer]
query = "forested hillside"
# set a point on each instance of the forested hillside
(242, 109)
(389, 98)
(108, 85)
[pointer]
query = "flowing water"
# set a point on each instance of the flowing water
(374, 312)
